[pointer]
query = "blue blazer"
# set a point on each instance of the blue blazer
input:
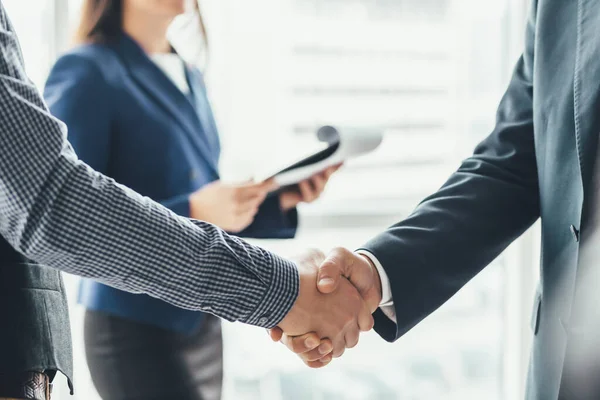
(129, 121)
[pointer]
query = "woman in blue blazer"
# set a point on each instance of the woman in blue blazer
(139, 114)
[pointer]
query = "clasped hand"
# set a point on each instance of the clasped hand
(337, 297)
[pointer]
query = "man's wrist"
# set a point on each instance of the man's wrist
(280, 296)
(384, 282)
(376, 276)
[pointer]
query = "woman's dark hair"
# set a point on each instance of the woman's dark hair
(102, 20)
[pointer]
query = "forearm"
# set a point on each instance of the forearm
(111, 234)
(57, 211)
(484, 206)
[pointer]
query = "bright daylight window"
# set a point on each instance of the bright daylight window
(34, 20)
(429, 73)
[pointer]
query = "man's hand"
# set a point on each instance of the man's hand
(358, 269)
(339, 315)
(340, 264)
(315, 352)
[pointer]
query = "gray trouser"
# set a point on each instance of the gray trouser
(130, 360)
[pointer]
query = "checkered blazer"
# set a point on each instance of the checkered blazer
(57, 211)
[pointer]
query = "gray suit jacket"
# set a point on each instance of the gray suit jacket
(537, 162)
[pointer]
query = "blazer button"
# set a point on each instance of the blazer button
(575, 233)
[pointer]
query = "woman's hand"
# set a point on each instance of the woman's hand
(306, 191)
(230, 207)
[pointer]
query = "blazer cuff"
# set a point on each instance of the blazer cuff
(384, 326)
(279, 297)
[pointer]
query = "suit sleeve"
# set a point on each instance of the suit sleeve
(59, 212)
(485, 205)
(271, 222)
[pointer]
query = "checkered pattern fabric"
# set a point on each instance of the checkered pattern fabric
(57, 211)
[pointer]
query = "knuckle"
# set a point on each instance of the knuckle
(371, 323)
(328, 264)
(298, 346)
(317, 253)
(312, 356)
(349, 320)
(339, 352)
(339, 251)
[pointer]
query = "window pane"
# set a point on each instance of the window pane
(32, 20)
(429, 74)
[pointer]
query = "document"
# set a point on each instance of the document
(338, 147)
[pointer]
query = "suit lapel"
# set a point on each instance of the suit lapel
(164, 92)
(587, 86)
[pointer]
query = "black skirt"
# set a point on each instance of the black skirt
(135, 361)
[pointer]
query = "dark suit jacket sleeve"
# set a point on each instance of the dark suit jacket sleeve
(59, 212)
(271, 222)
(486, 204)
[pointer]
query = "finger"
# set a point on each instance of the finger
(251, 190)
(244, 198)
(339, 347)
(243, 221)
(247, 208)
(320, 363)
(365, 318)
(331, 270)
(351, 337)
(318, 182)
(276, 334)
(271, 185)
(324, 349)
(248, 204)
(331, 170)
(247, 219)
(301, 344)
(255, 200)
(306, 191)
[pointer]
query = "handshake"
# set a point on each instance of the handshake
(336, 300)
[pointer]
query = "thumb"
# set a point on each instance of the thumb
(276, 334)
(331, 271)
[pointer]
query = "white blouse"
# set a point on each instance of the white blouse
(173, 66)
